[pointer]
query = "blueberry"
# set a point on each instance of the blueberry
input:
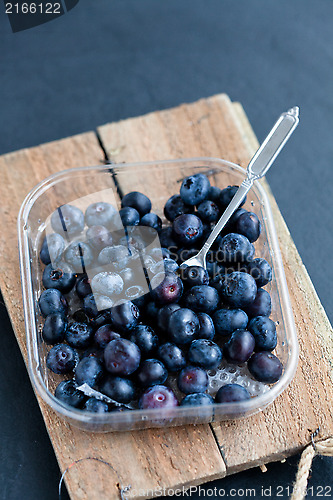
(239, 289)
(151, 311)
(52, 301)
(103, 318)
(206, 230)
(185, 253)
(264, 331)
(172, 356)
(112, 254)
(170, 265)
(203, 298)
(261, 271)
(152, 220)
(261, 306)
(100, 214)
(231, 393)
(68, 393)
(99, 237)
(107, 283)
(194, 276)
(216, 273)
(164, 314)
(151, 372)
(141, 300)
(195, 189)
(208, 211)
(158, 397)
(227, 195)
(197, 399)
(159, 253)
(122, 357)
(204, 353)
(52, 248)
(206, 326)
(183, 326)
(129, 216)
(94, 405)
(134, 293)
(145, 338)
(89, 371)
(119, 389)
(127, 275)
(214, 194)
(137, 200)
(79, 335)
(54, 328)
(192, 379)
(249, 225)
(165, 265)
(93, 304)
(227, 321)
(80, 316)
(165, 289)
(230, 225)
(67, 219)
(83, 287)
(137, 238)
(167, 238)
(94, 352)
(234, 248)
(187, 229)
(62, 359)
(61, 277)
(148, 262)
(104, 334)
(175, 207)
(79, 255)
(239, 347)
(125, 316)
(265, 367)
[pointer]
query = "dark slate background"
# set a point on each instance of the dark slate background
(108, 60)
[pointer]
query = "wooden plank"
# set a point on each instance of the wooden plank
(214, 127)
(146, 460)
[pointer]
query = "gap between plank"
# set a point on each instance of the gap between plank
(108, 161)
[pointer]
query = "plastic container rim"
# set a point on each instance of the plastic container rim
(233, 409)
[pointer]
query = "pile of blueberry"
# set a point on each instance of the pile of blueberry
(131, 352)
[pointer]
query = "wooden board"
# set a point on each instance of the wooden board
(167, 458)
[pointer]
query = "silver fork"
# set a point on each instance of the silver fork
(257, 168)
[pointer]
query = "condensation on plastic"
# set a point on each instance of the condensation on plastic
(69, 185)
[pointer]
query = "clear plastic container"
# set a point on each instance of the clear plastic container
(69, 185)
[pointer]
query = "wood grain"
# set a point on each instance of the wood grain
(168, 458)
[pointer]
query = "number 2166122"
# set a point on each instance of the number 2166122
(33, 8)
